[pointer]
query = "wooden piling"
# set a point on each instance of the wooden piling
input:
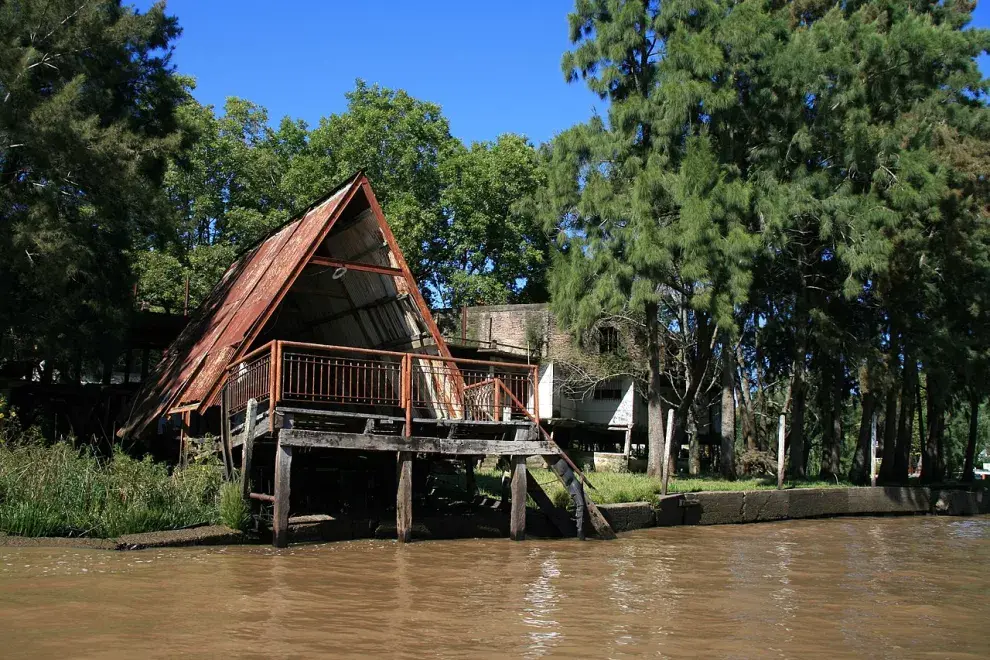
(517, 516)
(403, 500)
(247, 449)
(781, 429)
(280, 519)
(873, 450)
(667, 442)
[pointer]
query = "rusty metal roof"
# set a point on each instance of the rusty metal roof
(233, 313)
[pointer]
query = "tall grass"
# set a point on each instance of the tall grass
(57, 490)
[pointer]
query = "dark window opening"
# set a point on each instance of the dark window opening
(608, 390)
(608, 340)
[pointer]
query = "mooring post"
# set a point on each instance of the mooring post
(247, 449)
(873, 450)
(403, 500)
(517, 515)
(781, 428)
(280, 519)
(667, 441)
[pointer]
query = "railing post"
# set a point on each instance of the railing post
(497, 412)
(407, 380)
(272, 371)
(536, 394)
(277, 385)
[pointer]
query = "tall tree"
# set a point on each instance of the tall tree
(496, 249)
(87, 122)
(400, 143)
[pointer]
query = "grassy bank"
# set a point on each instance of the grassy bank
(616, 488)
(58, 490)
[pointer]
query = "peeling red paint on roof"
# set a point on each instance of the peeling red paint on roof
(194, 365)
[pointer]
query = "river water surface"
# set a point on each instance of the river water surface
(855, 587)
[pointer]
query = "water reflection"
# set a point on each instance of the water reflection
(541, 603)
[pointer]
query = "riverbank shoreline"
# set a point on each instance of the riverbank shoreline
(756, 506)
(172, 538)
(701, 508)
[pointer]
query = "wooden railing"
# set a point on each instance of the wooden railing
(382, 382)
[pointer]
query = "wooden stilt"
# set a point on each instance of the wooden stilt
(247, 449)
(781, 428)
(280, 519)
(403, 500)
(517, 515)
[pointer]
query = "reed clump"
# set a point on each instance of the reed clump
(60, 490)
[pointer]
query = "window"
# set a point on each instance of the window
(608, 390)
(608, 340)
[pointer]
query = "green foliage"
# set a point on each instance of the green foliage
(464, 218)
(793, 175)
(87, 122)
(58, 490)
(496, 251)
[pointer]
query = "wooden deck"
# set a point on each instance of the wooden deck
(340, 398)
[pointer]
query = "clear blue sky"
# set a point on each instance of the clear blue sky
(493, 66)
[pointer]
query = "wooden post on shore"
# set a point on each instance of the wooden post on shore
(517, 498)
(247, 449)
(280, 519)
(403, 498)
(873, 450)
(780, 452)
(667, 440)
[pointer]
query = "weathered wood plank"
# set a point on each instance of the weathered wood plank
(261, 427)
(248, 449)
(582, 502)
(417, 444)
(573, 486)
(403, 498)
(280, 519)
(517, 498)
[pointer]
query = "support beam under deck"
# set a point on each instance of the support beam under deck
(415, 444)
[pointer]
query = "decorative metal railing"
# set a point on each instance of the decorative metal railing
(383, 382)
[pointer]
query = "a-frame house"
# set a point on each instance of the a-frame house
(319, 337)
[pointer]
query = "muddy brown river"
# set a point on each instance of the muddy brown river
(863, 587)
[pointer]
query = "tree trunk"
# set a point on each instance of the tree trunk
(889, 436)
(798, 467)
(905, 426)
(930, 449)
(694, 443)
(832, 421)
(727, 454)
(654, 463)
(859, 471)
(974, 429)
(747, 415)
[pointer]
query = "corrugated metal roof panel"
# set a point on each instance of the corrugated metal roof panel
(195, 362)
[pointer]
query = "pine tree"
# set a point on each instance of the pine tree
(87, 100)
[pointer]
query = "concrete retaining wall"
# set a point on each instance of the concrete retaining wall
(734, 507)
